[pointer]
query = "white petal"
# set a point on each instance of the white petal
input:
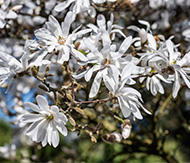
(109, 83)
(126, 131)
(101, 21)
(151, 41)
(70, 17)
(32, 106)
(79, 55)
(137, 114)
(55, 137)
(62, 6)
(176, 85)
(90, 71)
(126, 112)
(79, 76)
(96, 85)
(29, 118)
(92, 47)
(55, 109)
(62, 129)
(11, 15)
(42, 102)
(44, 142)
(184, 76)
(125, 45)
(127, 71)
(114, 73)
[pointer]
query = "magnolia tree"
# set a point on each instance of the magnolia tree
(87, 67)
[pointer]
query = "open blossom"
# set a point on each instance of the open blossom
(77, 6)
(167, 62)
(45, 123)
(10, 66)
(143, 34)
(106, 61)
(58, 38)
(103, 27)
(5, 13)
(103, 30)
(129, 98)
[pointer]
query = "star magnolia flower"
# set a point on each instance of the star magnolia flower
(5, 13)
(103, 27)
(58, 38)
(167, 62)
(78, 6)
(45, 123)
(128, 97)
(143, 34)
(106, 61)
(178, 66)
(10, 66)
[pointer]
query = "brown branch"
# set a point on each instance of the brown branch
(94, 101)
(72, 83)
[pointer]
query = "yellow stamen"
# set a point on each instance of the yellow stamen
(61, 40)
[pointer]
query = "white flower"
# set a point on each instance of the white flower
(144, 35)
(128, 97)
(167, 62)
(10, 66)
(106, 61)
(5, 13)
(103, 27)
(44, 125)
(58, 38)
(78, 6)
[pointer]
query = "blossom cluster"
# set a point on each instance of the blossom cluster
(94, 51)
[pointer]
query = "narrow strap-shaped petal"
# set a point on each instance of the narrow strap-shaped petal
(29, 118)
(125, 45)
(62, 129)
(96, 85)
(32, 106)
(126, 112)
(70, 17)
(176, 85)
(42, 102)
(92, 47)
(62, 6)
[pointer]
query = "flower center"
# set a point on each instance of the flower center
(106, 62)
(174, 62)
(61, 40)
(49, 117)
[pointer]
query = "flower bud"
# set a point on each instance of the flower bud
(110, 138)
(126, 129)
(79, 110)
(43, 87)
(117, 136)
(72, 121)
(93, 139)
